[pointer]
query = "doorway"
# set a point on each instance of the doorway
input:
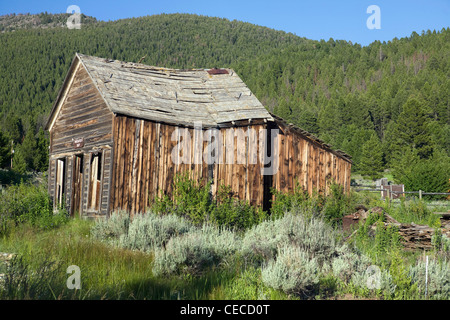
(60, 189)
(77, 184)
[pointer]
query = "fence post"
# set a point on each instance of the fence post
(420, 194)
(426, 277)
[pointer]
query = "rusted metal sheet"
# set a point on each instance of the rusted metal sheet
(349, 222)
(393, 191)
(217, 71)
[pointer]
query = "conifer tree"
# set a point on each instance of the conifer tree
(412, 130)
(371, 162)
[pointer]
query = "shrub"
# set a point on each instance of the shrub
(233, 213)
(293, 271)
(332, 207)
(347, 264)
(405, 288)
(111, 228)
(336, 204)
(27, 203)
(438, 278)
(372, 281)
(194, 252)
(193, 200)
(312, 235)
(440, 242)
(285, 201)
(149, 231)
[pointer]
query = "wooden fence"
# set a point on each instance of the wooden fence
(390, 193)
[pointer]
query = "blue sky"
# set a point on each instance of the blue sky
(314, 19)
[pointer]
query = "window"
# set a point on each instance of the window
(95, 181)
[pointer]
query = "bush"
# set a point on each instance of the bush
(27, 203)
(293, 271)
(110, 229)
(438, 278)
(405, 288)
(372, 281)
(148, 231)
(285, 201)
(194, 252)
(347, 264)
(332, 207)
(233, 213)
(336, 204)
(193, 201)
(312, 235)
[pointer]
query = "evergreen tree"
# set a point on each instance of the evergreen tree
(371, 162)
(413, 130)
(429, 175)
(19, 163)
(40, 162)
(27, 151)
(5, 151)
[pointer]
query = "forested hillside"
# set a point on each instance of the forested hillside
(386, 104)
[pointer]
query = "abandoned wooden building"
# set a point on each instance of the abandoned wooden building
(120, 132)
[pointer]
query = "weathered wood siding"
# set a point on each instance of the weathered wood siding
(305, 162)
(143, 166)
(83, 114)
(51, 178)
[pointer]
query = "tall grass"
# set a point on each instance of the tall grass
(27, 203)
(297, 253)
(107, 272)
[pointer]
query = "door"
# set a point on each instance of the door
(60, 183)
(95, 182)
(76, 188)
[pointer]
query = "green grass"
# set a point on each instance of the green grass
(106, 272)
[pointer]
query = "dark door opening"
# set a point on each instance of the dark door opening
(60, 189)
(76, 187)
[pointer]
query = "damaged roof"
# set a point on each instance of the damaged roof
(177, 96)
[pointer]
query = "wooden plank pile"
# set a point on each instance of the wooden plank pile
(414, 236)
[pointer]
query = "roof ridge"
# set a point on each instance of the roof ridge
(137, 65)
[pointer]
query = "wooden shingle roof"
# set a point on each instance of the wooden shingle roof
(173, 96)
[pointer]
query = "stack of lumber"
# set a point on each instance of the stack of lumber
(414, 236)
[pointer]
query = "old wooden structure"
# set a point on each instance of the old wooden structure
(120, 132)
